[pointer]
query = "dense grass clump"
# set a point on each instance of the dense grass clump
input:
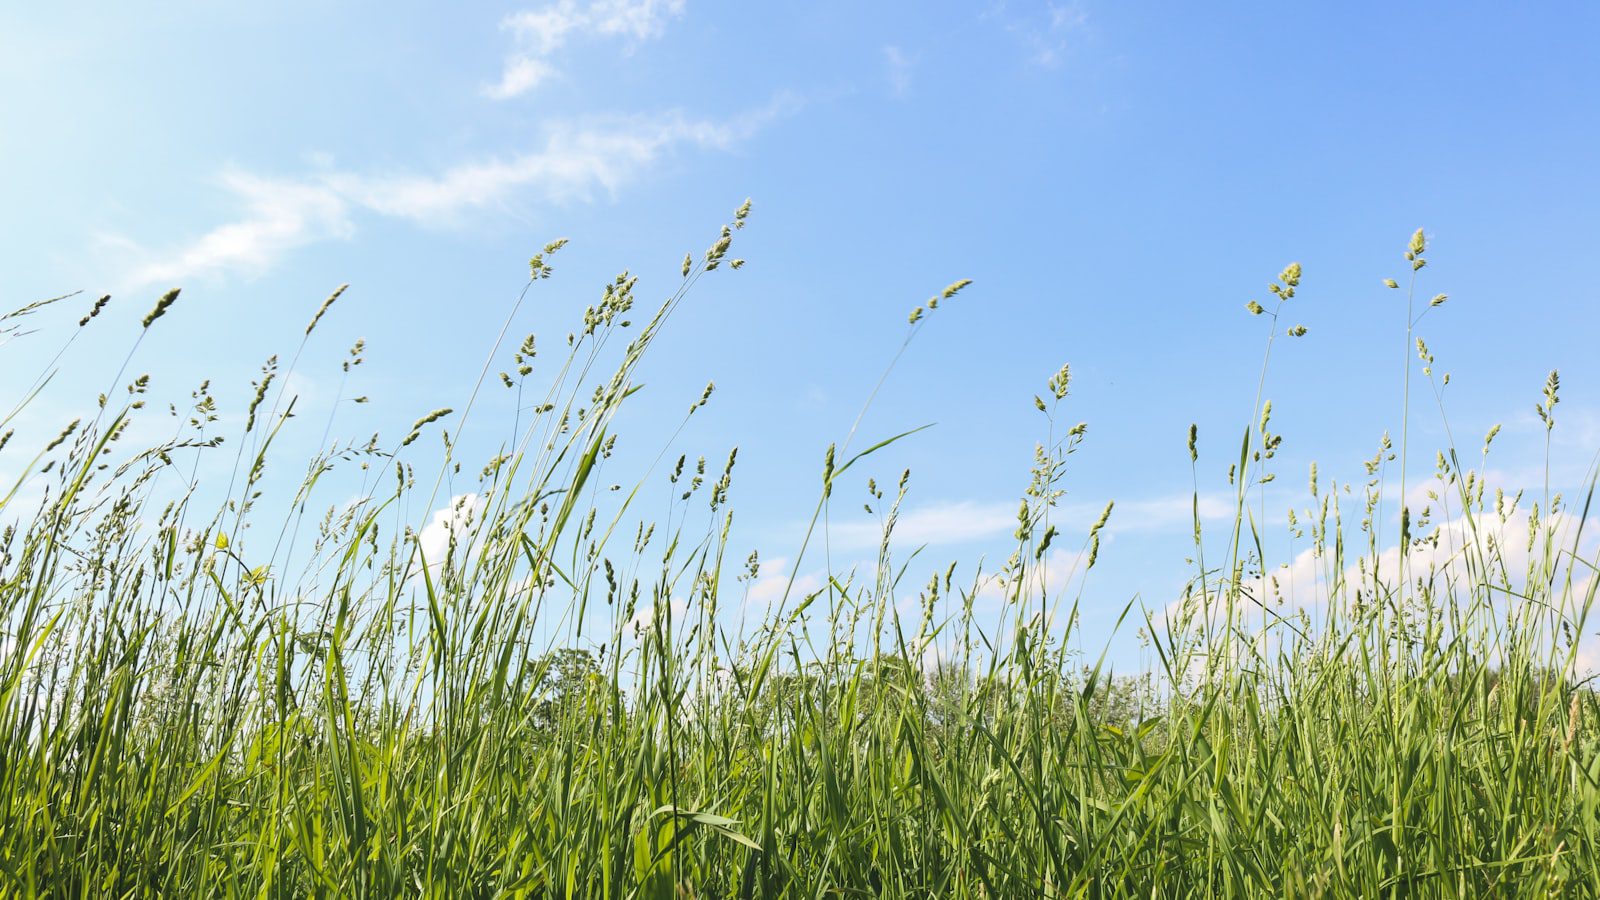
(552, 696)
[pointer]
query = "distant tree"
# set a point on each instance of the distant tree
(570, 680)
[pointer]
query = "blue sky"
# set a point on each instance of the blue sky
(1117, 179)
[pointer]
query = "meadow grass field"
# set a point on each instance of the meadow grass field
(561, 699)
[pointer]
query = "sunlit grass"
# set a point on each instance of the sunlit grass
(555, 693)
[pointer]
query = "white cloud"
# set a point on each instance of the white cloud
(1066, 16)
(545, 30)
(897, 67)
(279, 215)
(963, 521)
(1048, 34)
(645, 619)
(541, 32)
(638, 19)
(521, 74)
(1046, 578)
(939, 523)
(453, 521)
(772, 580)
(1454, 567)
(576, 162)
(1174, 511)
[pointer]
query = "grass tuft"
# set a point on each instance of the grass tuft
(512, 700)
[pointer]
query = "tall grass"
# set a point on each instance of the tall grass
(559, 698)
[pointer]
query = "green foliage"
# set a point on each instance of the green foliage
(189, 708)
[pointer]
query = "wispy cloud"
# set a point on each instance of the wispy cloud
(1047, 578)
(1168, 513)
(451, 524)
(897, 68)
(938, 523)
(539, 33)
(645, 619)
(278, 215)
(577, 162)
(521, 74)
(1047, 34)
(1454, 565)
(967, 521)
(773, 580)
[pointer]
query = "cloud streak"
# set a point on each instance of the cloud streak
(1049, 34)
(278, 216)
(897, 67)
(577, 162)
(965, 521)
(773, 580)
(1487, 559)
(541, 32)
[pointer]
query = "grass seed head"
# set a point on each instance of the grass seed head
(324, 307)
(95, 310)
(955, 288)
(161, 307)
(1061, 381)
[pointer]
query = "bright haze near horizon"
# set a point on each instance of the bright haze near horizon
(1118, 180)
